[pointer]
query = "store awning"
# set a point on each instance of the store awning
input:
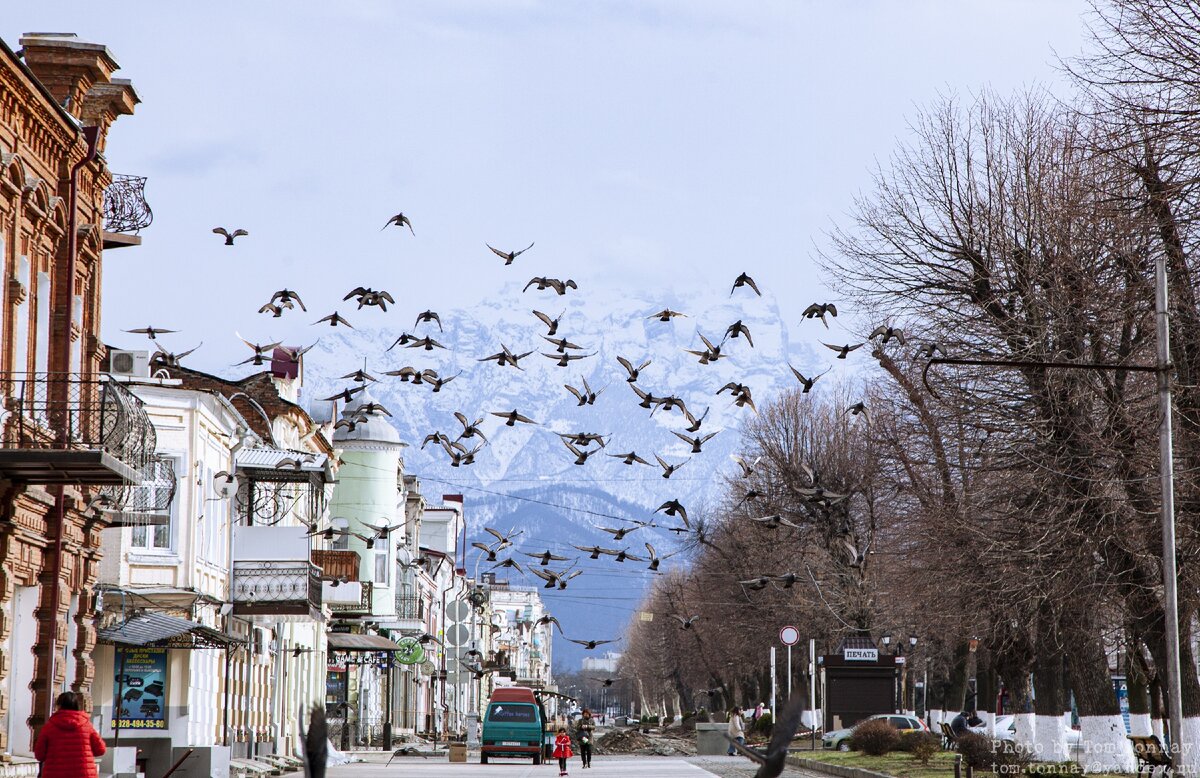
(150, 628)
(349, 641)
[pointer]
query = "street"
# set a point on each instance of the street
(602, 767)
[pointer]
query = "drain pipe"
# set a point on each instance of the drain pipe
(91, 135)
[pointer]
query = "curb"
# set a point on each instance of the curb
(836, 770)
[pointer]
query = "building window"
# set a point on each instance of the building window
(158, 537)
(381, 568)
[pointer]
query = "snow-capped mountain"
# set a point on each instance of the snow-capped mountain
(525, 476)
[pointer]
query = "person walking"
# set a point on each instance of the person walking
(585, 730)
(68, 744)
(562, 750)
(736, 730)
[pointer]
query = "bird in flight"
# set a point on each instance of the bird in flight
(620, 533)
(590, 645)
(633, 371)
(566, 358)
(687, 623)
(275, 310)
(674, 508)
(586, 396)
(747, 467)
(555, 578)
(621, 555)
(630, 458)
(504, 540)
(807, 383)
(695, 442)
(745, 280)
(774, 521)
(859, 409)
(229, 236)
(429, 316)
(581, 456)
(261, 350)
(560, 287)
(669, 470)
(545, 557)
(842, 350)
(345, 395)
(286, 298)
(150, 332)
(361, 376)
(710, 353)
(694, 422)
(167, 359)
(512, 417)
(334, 320)
(400, 220)
(771, 763)
(508, 256)
(409, 373)
(506, 357)
(427, 343)
(562, 344)
(655, 559)
(437, 383)
(403, 340)
(666, 314)
(819, 311)
(470, 429)
(738, 328)
(548, 619)
(888, 333)
(552, 324)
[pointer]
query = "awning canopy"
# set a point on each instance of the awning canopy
(281, 465)
(149, 628)
(349, 641)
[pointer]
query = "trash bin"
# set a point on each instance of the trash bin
(458, 752)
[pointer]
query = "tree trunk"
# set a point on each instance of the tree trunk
(1137, 686)
(1050, 736)
(1105, 747)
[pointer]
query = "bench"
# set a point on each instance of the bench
(1150, 753)
(949, 739)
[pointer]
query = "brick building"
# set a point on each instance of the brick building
(65, 431)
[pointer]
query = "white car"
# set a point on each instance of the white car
(1006, 730)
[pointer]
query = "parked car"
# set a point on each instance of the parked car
(839, 739)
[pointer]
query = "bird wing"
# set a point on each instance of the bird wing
(545, 319)
(880, 330)
(831, 308)
(750, 283)
(221, 231)
(684, 438)
(495, 534)
(238, 233)
(786, 726)
(525, 419)
(661, 463)
(650, 550)
(832, 347)
(799, 376)
(540, 573)
(574, 391)
(625, 364)
(358, 291)
(851, 348)
(498, 252)
(385, 296)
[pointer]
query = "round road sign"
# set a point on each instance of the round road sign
(789, 636)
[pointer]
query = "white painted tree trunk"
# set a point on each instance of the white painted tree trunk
(1105, 747)
(1139, 724)
(1025, 731)
(935, 718)
(1157, 726)
(1187, 760)
(1050, 739)
(989, 723)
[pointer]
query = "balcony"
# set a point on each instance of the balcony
(147, 503)
(410, 614)
(348, 599)
(267, 590)
(125, 211)
(273, 576)
(61, 428)
(336, 565)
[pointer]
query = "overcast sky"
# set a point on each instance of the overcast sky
(652, 143)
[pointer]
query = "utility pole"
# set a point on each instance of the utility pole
(1166, 469)
(773, 685)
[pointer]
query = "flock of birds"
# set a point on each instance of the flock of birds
(468, 440)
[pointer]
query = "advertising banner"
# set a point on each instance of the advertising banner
(140, 683)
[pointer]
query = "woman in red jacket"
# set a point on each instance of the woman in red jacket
(68, 744)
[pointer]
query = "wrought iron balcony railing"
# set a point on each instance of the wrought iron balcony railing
(68, 428)
(282, 590)
(408, 607)
(125, 207)
(143, 504)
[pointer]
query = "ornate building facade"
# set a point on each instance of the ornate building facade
(65, 431)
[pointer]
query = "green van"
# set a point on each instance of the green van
(514, 725)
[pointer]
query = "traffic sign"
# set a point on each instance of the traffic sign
(789, 636)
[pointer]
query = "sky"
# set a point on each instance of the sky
(658, 144)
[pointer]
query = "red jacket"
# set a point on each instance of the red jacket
(562, 747)
(68, 746)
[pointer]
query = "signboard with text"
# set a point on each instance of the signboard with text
(140, 688)
(860, 654)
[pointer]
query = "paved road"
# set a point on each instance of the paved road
(602, 767)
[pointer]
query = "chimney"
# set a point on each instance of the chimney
(458, 498)
(67, 66)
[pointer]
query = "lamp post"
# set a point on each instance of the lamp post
(887, 644)
(912, 647)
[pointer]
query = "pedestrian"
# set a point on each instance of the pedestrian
(758, 712)
(68, 744)
(585, 730)
(562, 750)
(962, 723)
(736, 730)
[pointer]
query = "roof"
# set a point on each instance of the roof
(856, 641)
(269, 458)
(349, 641)
(158, 629)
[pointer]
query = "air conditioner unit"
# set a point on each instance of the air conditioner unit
(134, 364)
